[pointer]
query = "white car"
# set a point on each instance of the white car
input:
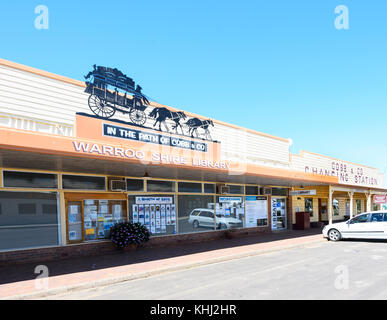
(368, 225)
(205, 218)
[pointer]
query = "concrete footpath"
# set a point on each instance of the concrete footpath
(20, 281)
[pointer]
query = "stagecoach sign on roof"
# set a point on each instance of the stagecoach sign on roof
(112, 91)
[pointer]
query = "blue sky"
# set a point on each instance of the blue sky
(279, 67)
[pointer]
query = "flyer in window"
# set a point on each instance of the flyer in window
(157, 212)
(88, 224)
(117, 211)
(73, 218)
(147, 213)
(103, 208)
(141, 214)
(162, 209)
(93, 215)
(240, 213)
(89, 202)
(101, 233)
(73, 209)
(107, 225)
(90, 231)
(168, 213)
(73, 235)
(135, 212)
(101, 217)
(88, 209)
(173, 214)
(153, 230)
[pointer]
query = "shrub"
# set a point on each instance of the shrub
(125, 233)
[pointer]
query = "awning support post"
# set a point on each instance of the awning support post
(351, 204)
(330, 209)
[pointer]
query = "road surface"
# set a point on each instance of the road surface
(326, 270)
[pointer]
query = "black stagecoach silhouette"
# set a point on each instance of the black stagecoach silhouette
(108, 90)
(111, 90)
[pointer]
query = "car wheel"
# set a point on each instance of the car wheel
(195, 224)
(334, 235)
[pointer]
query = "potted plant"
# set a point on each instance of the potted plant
(128, 235)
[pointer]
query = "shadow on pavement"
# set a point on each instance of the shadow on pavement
(22, 272)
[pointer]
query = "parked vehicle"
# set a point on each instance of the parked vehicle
(368, 225)
(205, 218)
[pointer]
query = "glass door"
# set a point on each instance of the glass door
(74, 221)
(278, 213)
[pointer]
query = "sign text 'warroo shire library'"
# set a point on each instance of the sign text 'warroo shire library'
(134, 154)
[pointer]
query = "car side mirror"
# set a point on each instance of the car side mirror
(349, 222)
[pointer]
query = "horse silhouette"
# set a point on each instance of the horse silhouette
(194, 124)
(162, 114)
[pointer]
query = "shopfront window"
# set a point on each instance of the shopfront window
(230, 212)
(279, 192)
(160, 186)
(309, 206)
(74, 221)
(83, 182)
(252, 190)
(17, 179)
(335, 205)
(358, 206)
(134, 185)
(195, 213)
(28, 219)
(100, 216)
(278, 213)
(234, 189)
(91, 219)
(256, 211)
(209, 188)
(156, 212)
(190, 187)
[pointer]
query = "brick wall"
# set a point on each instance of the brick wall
(106, 247)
